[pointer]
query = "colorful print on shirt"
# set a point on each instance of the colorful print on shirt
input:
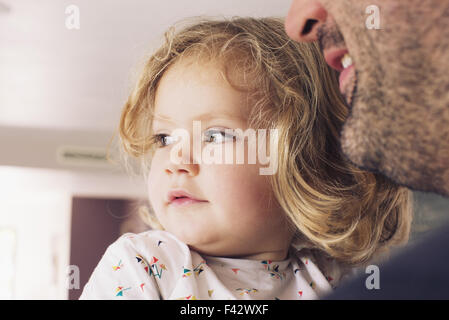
(273, 270)
(152, 268)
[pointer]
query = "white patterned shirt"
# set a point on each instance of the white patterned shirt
(156, 265)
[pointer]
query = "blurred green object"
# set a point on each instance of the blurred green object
(430, 212)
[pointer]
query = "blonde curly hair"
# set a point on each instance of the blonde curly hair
(348, 213)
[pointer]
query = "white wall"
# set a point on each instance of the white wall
(35, 206)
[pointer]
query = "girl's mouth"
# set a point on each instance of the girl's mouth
(181, 197)
(184, 201)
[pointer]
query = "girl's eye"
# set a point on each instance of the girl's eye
(217, 136)
(163, 140)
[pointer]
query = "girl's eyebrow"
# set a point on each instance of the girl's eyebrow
(204, 116)
(162, 118)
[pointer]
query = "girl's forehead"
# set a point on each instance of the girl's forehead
(194, 91)
(192, 72)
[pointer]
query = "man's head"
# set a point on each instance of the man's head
(396, 82)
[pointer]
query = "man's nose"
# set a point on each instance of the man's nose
(304, 19)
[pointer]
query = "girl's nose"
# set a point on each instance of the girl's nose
(304, 19)
(190, 169)
(181, 159)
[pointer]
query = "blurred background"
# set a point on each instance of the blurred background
(66, 68)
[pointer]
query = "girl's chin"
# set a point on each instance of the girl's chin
(200, 240)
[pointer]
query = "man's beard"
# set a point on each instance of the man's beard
(329, 36)
(389, 129)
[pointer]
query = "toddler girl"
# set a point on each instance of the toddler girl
(230, 230)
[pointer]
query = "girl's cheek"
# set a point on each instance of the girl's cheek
(154, 181)
(240, 183)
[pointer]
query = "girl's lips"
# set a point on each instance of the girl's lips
(179, 202)
(181, 197)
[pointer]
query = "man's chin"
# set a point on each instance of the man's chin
(355, 136)
(354, 151)
(365, 154)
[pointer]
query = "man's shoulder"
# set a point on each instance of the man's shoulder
(417, 272)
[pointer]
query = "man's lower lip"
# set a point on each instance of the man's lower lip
(344, 77)
(185, 202)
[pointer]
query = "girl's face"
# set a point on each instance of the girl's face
(235, 213)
